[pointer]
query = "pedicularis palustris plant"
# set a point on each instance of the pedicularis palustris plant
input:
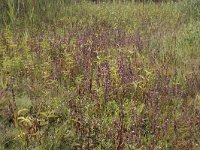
(99, 76)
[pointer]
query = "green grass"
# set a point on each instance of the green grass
(99, 76)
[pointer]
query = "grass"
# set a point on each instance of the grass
(99, 76)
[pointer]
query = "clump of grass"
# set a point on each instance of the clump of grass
(191, 9)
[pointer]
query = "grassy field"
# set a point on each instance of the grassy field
(99, 76)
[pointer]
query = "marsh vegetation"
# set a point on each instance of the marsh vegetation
(112, 75)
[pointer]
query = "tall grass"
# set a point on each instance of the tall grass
(31, 11)
(191, 9)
